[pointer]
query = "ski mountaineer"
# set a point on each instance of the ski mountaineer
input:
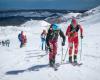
(22, 38)
(51, 40)
(43, 39)
(72, 33)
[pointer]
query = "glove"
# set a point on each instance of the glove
(63, 43)
(49, 49)
(81, 36)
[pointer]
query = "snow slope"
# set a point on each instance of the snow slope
(31, 63)
(91, 16)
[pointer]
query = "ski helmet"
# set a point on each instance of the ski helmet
(55, 27)
(74, 22)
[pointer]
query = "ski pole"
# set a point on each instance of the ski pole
(62, 55)
(65, 55)
(81, 51)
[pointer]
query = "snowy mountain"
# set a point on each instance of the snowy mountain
(36, 12)
(25, 14)
(18, 17)
(91, 16)
(93, 11)
(31, 63)
(62, 18)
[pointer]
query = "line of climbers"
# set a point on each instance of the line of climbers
(49, 40)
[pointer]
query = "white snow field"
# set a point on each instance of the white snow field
(31, 63)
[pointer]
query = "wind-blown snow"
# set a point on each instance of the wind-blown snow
(35, 23)
(30, 62)
(71, 15)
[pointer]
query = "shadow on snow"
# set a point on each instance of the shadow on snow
(33, 68)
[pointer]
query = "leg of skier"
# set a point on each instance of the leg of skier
(70, 45)
(21, 44)
(50, 54)
(53, 52)
(42, 45)
(75, 49)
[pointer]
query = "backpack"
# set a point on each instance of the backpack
(54, 34)
(74, 29)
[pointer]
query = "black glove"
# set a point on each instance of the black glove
(49, 49)
(81, 36)
(63, 43)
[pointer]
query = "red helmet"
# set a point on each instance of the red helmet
(74, 22)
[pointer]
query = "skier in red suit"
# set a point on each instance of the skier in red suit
(72, 33)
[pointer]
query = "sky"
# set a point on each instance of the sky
(49, 4)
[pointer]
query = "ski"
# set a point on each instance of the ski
(77, 64)
(73, 63)
(55, 66)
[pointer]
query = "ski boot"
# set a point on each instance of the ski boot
(51, 62)
(70, 59)
(75, 59)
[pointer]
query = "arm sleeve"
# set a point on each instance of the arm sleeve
(47, 38)
(62, 35)
(81, 30)
(68, 30)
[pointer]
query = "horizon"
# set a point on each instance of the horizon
(36, 9)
